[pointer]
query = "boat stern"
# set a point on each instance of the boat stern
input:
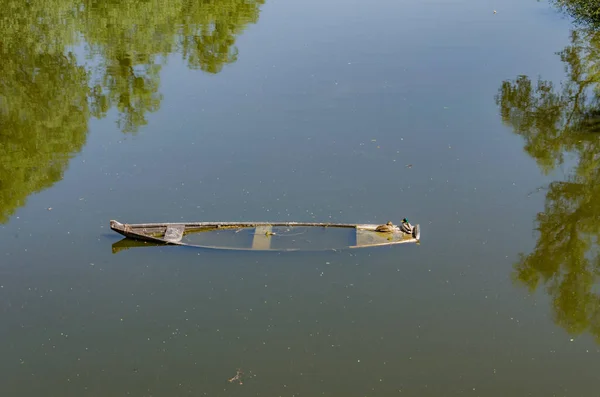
(416, 232)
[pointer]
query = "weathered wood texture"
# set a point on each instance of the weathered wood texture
(262, 238)
(174, 233)
(248, 224)
(171, 233)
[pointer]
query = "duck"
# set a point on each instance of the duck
(406, 227)
(387, 228)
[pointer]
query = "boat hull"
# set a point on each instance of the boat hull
(266, 236)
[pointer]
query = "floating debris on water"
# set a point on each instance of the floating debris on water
(238, 377)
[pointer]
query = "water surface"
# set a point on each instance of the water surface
(149, 111)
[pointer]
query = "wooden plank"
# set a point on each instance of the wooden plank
(174, 233)
(246, 224)
(369, 238)
(262, 237)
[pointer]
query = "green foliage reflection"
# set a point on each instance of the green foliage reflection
(555, 122)
(584, 11)
(47, 97)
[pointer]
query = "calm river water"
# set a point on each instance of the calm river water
(335, 111)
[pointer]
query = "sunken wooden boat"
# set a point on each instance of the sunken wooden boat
(269, 236)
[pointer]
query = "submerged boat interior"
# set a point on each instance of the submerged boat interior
(267, 236)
